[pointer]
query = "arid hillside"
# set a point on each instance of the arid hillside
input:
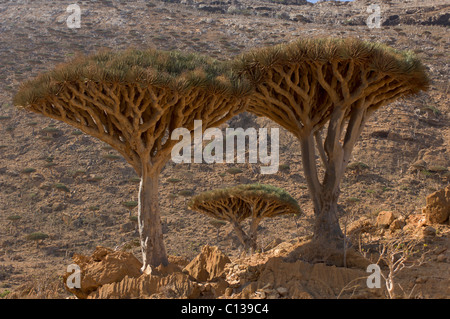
(81, 193)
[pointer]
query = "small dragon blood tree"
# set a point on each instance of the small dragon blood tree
(236, 204)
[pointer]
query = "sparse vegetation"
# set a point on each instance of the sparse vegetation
(134, 180)
(28, 170)
(76, 173)
(37, 237)
(284, 168)
(130, 205)
(61, 187)
(14, 218)
(397, 254)
(174, 181)
(50, 130)
(357, 167)
(111, 157)
(234, 171)
(4, 293)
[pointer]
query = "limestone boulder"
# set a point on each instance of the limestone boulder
(437, 209)
(208, 265)
(384, 219)
(104, 266)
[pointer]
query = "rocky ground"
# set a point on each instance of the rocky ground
(72, 187)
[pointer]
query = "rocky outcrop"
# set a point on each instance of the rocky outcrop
(209, 264)
(175, 285)
(279, 278)
(384, 219)
(104, 266)
(109, 274)
(437, 210)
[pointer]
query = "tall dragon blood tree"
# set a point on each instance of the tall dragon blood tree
(133, 100)
(332, 86)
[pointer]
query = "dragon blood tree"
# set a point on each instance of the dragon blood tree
(236, 204)
(330, 85)
(133, 100)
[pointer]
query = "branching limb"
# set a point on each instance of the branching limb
(320, 149)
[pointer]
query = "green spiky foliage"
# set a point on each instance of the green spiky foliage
(323, 91)
(174, 181)
(236, 204)
(173, 69)
(130, 204)
(14, 218)
(313, 75)
(133, 101)
(38, 237)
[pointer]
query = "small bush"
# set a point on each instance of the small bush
(38, 237)
(49, 165)
(50, 130)
(77, 132)
(61, 187)
(434, 109)
(134, 180)
(353, 200)
(76, 173)
(234, 171)
(94, 178)
(217, 223)
(28, 170)
(14, 218)
(111, 157)
(130, 204)
(185, 193)
(133, 219)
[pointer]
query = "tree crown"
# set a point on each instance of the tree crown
(133, 100)
(242, 199)
(173, 69)
(375, 56)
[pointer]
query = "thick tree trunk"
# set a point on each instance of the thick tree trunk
(254, 232)
(150, 228)
(323, 195)
(326, 227)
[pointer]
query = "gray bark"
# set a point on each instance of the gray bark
(149, 222)
(324, 195)
(245, 240)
